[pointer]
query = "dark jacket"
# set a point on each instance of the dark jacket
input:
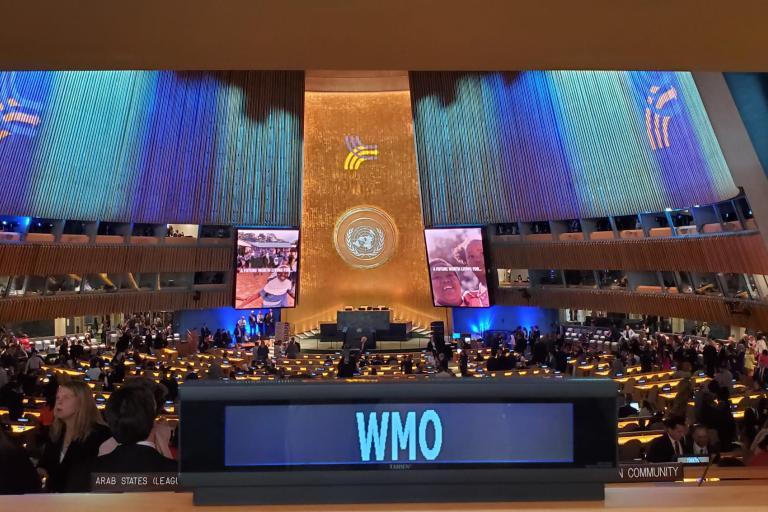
(627, 410)
(79, 452)
(129, 458)
(661, 450)
(688, 447)
(17, 474)
(134, 458)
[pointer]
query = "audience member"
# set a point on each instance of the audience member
(697, 443)
(75, 436)
(668, 447)
(17, 474)
(627, 410)
(130, 413)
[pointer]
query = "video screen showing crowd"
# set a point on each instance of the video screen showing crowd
(457, 267)
(267, 268)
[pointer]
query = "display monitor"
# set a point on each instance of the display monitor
(267, 268)
(457, 269)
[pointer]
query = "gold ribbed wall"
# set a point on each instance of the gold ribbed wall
(389, 183)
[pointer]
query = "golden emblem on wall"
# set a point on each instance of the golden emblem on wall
(365, 237)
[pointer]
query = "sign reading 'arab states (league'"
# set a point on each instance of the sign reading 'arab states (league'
(662, 472)
(134, 482)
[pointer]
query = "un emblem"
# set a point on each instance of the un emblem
(365, 237)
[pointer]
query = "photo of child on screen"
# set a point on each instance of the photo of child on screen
(279, 292)
(457, 267)
(474, 293)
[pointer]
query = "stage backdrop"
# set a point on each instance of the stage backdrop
(537, 145)
(362, 238)
(152, 146)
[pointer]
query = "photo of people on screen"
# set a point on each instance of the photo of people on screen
(267, 268)
(457, 267)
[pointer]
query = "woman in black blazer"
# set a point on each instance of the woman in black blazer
(76, 434)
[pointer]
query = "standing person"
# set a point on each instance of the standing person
(292, 349)
(260, 324)
(464, 363)
(709, 354)
(750, 361)
(762, 368)
(205, 331)
(240, 330)
(252, 324)
(262, 353)
(269, 323)
(75, 436)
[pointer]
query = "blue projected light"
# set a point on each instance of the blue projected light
(562, 145)
(197, 147)
(478, 321)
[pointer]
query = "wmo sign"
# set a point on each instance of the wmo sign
(663, 472)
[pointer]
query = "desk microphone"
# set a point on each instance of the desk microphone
(715, 458)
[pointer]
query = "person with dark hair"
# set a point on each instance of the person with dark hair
(668, 447)
(262, 352)
(17, 474)
(723, 420)
(130, 413)
(171, 385)
(464, 364)
(12, 397)
(160, 435)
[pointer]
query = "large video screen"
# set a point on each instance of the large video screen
(267, 268)
(457, 267)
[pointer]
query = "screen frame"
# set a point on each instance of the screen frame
(511, 390)
(486, 246)
(234, 264)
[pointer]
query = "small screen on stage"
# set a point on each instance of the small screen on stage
(267, 268)
(412, 434)
(457, 267)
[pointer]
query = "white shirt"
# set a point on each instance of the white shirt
(699, 450)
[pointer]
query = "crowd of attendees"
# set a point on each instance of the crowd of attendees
(76, 439)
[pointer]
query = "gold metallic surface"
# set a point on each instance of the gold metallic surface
(365, 237)
(389, 183)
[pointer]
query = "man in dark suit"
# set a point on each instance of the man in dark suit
(669, 446)
(130, 413)
(709, 354)
(205, 331)
(697, 444)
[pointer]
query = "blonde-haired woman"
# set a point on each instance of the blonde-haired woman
(76, 434)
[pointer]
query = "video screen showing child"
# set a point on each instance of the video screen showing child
(457, 267)
(267, 268)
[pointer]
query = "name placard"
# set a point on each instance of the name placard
(660, 472)
(134, 482)
(398, 435)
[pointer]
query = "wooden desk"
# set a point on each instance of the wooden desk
(723, 497)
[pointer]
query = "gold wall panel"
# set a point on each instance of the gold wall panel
(388, 183)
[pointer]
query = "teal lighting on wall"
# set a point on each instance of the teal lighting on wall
(537, 145)
(153, 146)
